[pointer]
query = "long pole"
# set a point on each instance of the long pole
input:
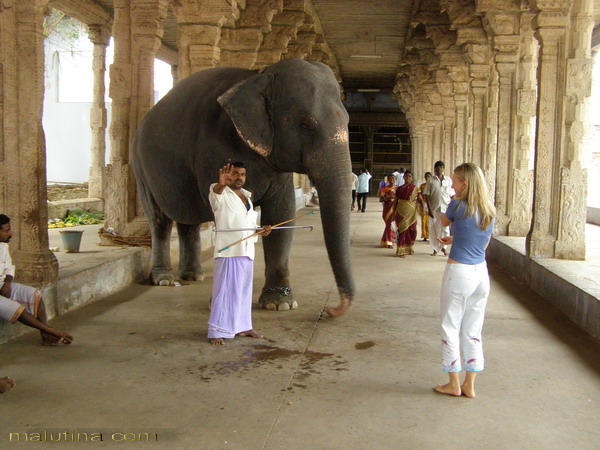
(262, 231)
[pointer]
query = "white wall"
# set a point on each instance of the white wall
(67, 103)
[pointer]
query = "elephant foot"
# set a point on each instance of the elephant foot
(162, 277)
(192, 275)
(277, 299)
(341, 309)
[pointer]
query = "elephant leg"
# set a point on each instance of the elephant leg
(160, 227)
(189, 252)
(277, 293)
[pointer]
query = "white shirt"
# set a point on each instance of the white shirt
(399, 178)
(230, 212)
(439, 193)
(363, 183)
(354, 181)
(6, 265)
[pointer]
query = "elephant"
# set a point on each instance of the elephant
(287, 118)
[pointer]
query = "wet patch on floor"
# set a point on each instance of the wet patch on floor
(271, 356)
(364, 345)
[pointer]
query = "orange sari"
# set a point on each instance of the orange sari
(406, 218)
(388, 193)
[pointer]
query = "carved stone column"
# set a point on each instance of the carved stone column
(301, 47)
(99, 35)
(460, 77)
(491, 141)
(284, 28)
(570, 242)
(22, 148)
(505, 60)
(199, 24)
(519, 204)
(137, 29)
(240, 42)
(550, 25)
(479, 69)
(175, 74)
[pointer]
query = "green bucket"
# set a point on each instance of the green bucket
(71, 240)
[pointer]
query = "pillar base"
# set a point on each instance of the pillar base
(540, 245)
(36, 267)
(570, 250)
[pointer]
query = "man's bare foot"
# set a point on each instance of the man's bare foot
(468, 391)
(6, 384)
(448, 389)
(434, 253)
(59, 338)
(217, 341)
(339, 310)
(444, 252)
(250, 333)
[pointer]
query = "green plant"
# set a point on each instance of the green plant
(80, 217)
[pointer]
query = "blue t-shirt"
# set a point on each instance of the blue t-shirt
(469, 241)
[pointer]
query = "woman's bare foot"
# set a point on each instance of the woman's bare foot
(339, 310)
(58, 338)
(448, 389)
(250, 333)
(216, 341)
(444, 252)
(6, 384)
(468, 391)
(434, 253)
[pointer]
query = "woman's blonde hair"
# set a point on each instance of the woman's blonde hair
(476, 194)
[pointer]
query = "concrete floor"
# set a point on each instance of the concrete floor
(141, 364)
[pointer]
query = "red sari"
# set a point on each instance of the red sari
(388, 194)
(406, 213)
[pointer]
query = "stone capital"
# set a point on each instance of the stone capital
(206, 11)
(99, 34)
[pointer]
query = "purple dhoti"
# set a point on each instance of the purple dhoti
(231, 307)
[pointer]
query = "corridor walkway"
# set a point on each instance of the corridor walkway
(141, 365)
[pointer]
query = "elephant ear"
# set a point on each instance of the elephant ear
(247, 104)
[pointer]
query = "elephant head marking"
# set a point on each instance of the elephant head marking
(247, 104)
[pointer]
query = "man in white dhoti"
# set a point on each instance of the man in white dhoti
(231, 304)
(438, 193)
(23, 303)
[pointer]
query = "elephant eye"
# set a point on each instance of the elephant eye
(308, 124)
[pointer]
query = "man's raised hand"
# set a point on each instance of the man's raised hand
(225, 175)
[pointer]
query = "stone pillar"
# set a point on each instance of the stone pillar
(199, 24)
(459, 75)
(99, 35)
(240, 43)
(284, 28)
(137, 30)
(550, 25)
(519, 189)
(570, 243)
(175, 73)
(491, 140)
(22, 148)
(479, 69)
(301, 47)
(506, 47)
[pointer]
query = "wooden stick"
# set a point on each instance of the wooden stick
(262, 231)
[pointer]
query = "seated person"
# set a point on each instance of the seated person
(20, 302)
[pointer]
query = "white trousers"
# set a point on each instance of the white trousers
(465, 290)
(437, 230)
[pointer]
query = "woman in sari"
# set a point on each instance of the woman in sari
(408, 197)
(387, 194)
(423, 212)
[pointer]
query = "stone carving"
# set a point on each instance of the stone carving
(526, 101)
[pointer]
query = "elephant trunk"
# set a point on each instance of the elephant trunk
(334, 188)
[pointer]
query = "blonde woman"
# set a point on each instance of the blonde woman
(466, 284)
